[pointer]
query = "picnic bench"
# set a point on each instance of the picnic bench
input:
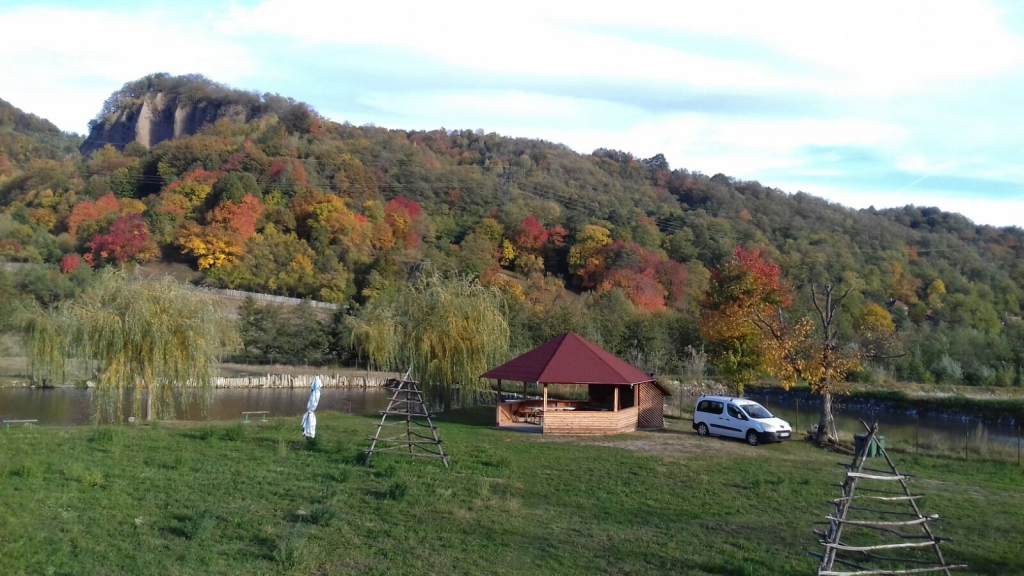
(29, 423)
(262, 413)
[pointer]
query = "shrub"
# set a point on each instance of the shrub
(206, 432)
(948, 371)
(980, 376)
(1005, 375)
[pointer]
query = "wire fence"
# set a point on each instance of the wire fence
(952, 437)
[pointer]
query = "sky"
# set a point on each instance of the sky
(864, 103)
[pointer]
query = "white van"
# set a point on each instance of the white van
(738, 418)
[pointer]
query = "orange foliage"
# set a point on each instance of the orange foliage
(241, 218)
(89, 211)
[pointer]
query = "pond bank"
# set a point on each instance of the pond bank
(1003, 411)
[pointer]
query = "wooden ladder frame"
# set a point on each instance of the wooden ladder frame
(831, 540)
(413, 408)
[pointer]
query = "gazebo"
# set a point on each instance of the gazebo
(620, 398)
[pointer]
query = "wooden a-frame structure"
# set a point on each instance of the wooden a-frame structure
(912, 533)
(409, 408)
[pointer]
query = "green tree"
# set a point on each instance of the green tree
(147, 339)
(449, 330)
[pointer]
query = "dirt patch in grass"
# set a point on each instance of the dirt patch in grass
(673, 443)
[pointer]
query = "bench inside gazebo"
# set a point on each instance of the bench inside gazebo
(620, 398)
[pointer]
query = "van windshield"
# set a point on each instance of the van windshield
(756, 411)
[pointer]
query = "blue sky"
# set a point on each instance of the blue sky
(867, 103)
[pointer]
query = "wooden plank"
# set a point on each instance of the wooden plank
(883, 523)
(879, 546)
(876, 476)
(893, 572)
(882, 498)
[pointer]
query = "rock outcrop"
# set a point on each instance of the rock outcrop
(157, 117)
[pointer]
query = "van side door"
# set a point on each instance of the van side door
(717, 421)
(734, 421)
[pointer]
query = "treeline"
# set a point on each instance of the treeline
(621, 249)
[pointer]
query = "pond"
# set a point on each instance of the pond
(902, 428)
(899, 428)
(73, 406)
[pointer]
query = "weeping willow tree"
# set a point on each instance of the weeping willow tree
(143, 339)
(448, 329)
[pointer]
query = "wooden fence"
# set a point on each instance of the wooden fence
(299, 381)
(262, 297)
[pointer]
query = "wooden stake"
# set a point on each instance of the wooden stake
(917, 432)
(545, 406)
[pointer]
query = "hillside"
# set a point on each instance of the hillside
(259, 192)
(24, 137)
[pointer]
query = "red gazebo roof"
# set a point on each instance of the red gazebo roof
(569, 359)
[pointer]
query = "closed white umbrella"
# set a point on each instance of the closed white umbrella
(309, 420)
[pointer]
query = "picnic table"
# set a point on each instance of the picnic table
(29, 423)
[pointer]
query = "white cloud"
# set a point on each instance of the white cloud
(63, 63)
(517, 40)
(872, 48)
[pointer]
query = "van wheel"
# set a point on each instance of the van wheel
(752, 438)
(702, 429)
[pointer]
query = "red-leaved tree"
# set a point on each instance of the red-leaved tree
(127, 239)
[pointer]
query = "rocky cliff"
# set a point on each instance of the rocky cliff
(159, 116)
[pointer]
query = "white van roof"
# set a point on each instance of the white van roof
(733, 399)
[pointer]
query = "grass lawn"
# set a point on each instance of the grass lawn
(225, 499)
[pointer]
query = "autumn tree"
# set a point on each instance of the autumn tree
(128, 239)
(744, 291)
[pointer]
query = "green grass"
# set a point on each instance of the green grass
(207, 499)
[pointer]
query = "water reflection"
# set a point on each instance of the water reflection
(71, 406)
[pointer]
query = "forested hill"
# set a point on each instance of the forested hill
(259, 192)
(24, 137)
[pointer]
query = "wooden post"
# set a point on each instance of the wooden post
(545, 407)
(499, 392)
(616, 405)
(797, 429)
(967, 433)
(524, 390)
(917, 433)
